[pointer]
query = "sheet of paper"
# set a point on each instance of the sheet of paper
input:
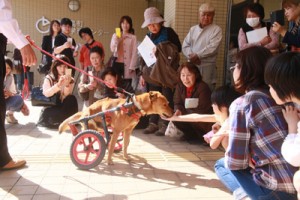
(191, 103)
(146, 50)
(256, 35)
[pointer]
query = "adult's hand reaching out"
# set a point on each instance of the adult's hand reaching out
(28, 55)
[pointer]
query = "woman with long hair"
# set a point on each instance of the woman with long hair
(124, 48)
(60, 83)
(48, 40)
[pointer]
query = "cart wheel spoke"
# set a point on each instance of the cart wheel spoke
(83, 142)
(80, 152)
(87, 157)
(95, 151)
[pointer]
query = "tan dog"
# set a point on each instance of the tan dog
(148, 103)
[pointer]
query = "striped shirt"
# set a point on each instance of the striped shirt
(257, 130)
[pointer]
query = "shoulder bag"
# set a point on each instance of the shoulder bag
(39, 99)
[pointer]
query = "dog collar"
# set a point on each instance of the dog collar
(136, 103)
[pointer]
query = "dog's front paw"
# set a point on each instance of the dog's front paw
(110, 162)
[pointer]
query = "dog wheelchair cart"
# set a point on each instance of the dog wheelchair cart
(89, 146)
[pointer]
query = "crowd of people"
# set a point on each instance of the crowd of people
(255, 119)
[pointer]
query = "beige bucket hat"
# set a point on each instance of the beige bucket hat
(152, 16)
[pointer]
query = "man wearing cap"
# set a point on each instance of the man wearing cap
(158, 33)
(63, 44)
(201, 44)
(84, 56)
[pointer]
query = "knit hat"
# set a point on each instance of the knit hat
(65, 21)
(152, 16)
(86, 30)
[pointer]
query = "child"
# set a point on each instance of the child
(14, 102)
(282, 75)
(110, 76)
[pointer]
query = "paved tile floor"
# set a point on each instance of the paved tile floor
(163, 168)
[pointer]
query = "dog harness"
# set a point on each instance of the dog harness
(132, 111)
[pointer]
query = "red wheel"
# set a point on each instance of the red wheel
(87, 149)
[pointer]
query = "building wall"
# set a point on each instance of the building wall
(101, 16)
(270, 6)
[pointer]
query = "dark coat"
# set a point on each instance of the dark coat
(201, 91)
(164, 71)
(47, 46)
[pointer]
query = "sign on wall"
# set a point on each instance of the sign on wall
(42, 25)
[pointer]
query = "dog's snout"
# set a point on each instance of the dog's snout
(169, 113)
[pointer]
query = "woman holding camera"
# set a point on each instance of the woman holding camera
(58, 82)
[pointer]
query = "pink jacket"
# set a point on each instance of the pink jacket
(125, 49)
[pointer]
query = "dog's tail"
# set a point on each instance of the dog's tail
(65, 124)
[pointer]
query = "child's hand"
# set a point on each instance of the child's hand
(90, 86)
(291, 116)
(216, 127)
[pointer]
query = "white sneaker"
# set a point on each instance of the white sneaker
(11, 119)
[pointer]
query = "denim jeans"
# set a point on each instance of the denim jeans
(256, 192)
(14, 103)
(20, 80)
(227, 178)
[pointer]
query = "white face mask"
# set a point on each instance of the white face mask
(253, 22)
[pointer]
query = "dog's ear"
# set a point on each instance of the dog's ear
(152, 96)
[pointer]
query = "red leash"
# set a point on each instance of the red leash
(25, 91)
(68, 64)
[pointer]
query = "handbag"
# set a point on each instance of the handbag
(39, 99)
(146, 73)
(44, 66)
(172, 131)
